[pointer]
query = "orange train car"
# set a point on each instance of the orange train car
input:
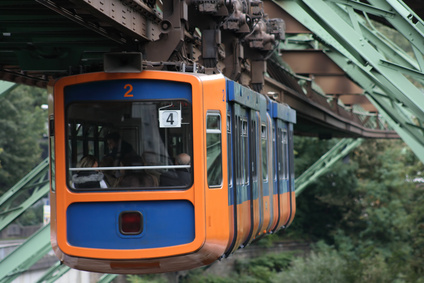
(164, 171)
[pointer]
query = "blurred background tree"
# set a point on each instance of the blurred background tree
(22, 128)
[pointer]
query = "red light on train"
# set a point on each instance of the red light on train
(131, 222)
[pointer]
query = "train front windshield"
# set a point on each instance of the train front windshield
(129, 144)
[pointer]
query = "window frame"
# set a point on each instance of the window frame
(214, 131)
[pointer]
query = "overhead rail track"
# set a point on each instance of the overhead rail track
(46, 39)
(314, 108)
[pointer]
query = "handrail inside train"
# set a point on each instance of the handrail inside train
(129, 167)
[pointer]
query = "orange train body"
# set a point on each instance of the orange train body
(140, 206)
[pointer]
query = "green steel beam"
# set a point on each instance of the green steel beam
(400, 61)
(29, 190)
(106, 278)
(25, 255)
(394, 113)
(54, 273)
(12, 204)
(364, 59)
(405, 21)
(325, 163)
(6, 87)
(336, 24)
(365, 8)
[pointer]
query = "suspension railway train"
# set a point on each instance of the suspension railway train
(163, 171)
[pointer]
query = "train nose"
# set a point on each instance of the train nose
(131, 222)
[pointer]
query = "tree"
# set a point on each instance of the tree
(381, 228)
(22, 125)
(321, 207)
(369, 209)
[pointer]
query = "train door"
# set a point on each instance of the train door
(267, 184)
(274, 176)
(256, 194)
(290, 148)
(242, 194)
(232, 205)
(283, 176)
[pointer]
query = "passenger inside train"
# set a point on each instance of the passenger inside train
(86, 179)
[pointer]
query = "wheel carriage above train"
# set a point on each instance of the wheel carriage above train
(163, 171)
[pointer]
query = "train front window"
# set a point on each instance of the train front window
(129, 144)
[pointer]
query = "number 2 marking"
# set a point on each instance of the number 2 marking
(130, 89)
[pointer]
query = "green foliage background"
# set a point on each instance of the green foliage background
(367, 214)
(22, 125)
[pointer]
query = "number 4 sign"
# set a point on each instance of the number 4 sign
(169, 118)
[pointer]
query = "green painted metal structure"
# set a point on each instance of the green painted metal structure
(28, 253)
(391, 79)
(24, 194)
(6, 87)
(325, 163)
(54, 273)
(33, 187)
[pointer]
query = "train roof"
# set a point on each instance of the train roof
(283, 112)
(243, 95)
(255, 100)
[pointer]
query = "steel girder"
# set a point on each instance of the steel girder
(54, 273)
(13, 203)
(106, 278)
(24, 194)
(325, 163)
(28, 253)
(370, 60)
(6, 87)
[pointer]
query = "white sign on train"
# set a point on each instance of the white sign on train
(169, 118)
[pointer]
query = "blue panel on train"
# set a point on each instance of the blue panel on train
(133, 89)
(96, 225)
(242, 95)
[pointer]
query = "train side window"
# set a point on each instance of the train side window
(285, 154)
(214, 149)
(280, 154)
(273, 152)
(230, 167)
(244, 153)
(291, 159)
(253, 148)
(52, 154)
(237, 149)
(264, 146)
